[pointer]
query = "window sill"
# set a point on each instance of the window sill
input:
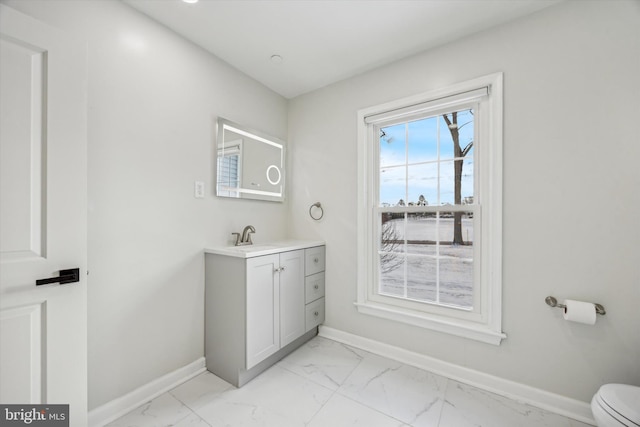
(457, 327)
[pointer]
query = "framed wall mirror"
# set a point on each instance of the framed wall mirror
(250, 164)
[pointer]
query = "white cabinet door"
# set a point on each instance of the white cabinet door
(292, 312)
(263, 308)
(43, 329)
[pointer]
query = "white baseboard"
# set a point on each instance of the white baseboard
(571, 408)
(113, 410)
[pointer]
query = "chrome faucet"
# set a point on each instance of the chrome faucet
(246, 236)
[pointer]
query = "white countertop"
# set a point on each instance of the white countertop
(260, 249)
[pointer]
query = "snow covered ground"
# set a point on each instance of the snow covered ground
(430, 269)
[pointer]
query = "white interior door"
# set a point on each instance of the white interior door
(43, 329)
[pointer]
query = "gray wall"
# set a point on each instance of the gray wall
(571, 196)
(153, 101)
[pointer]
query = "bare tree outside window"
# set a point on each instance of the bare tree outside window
(459, 153)
(390, 242)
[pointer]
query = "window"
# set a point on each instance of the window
(228, 181)
(429, 233)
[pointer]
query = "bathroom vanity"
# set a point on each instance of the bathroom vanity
(261, 303)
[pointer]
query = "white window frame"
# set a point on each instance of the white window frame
(484, 322)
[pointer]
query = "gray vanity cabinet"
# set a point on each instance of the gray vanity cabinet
(314, 287)
(275, 303)
(260, 308)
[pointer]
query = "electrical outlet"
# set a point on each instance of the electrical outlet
(198, 190)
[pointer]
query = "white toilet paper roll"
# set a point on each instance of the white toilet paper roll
(580, 311)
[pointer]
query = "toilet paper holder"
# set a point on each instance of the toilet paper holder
(552, 302)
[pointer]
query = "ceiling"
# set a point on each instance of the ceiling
(324, 41)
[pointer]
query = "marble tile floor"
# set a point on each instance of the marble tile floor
(328, 384)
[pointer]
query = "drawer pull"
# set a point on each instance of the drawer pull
(316, 260)
(315, 313)
(316, 287)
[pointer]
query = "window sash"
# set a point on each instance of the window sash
(377, 127)
(475, 313)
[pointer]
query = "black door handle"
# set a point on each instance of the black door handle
(71, 275)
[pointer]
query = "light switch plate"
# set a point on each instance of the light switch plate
(198, 190)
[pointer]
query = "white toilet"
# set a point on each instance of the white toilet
(616, 405)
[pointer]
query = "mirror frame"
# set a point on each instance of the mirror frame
(244, 192)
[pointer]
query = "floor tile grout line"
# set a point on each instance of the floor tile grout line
(333, 392)
(444, 400)
(182, 404)
(337, 390)
(193, 411)
(209, 401)
(361, 358)
(230, 387)
(372, 408)
(339, 386)
(202, 419)
(150, 403)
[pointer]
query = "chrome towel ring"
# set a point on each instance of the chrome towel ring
(318, 206)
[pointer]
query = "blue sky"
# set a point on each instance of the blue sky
(427, 168)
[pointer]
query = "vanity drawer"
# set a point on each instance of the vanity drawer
(314, 260)
(315, 314)
(313, 287)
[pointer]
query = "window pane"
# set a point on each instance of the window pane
(456, 278)
(465, 131)
(456, 259)
(423, 181)
(393, 188)
(466, 181)
(421, 278)
(392, 145)
(448, 177)
(392, 271)
(446, 183)
(446, 142)
(423, 140)
(451, 224)
(421, 233)
(462, 123)
(392, 232)
(466, 225)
